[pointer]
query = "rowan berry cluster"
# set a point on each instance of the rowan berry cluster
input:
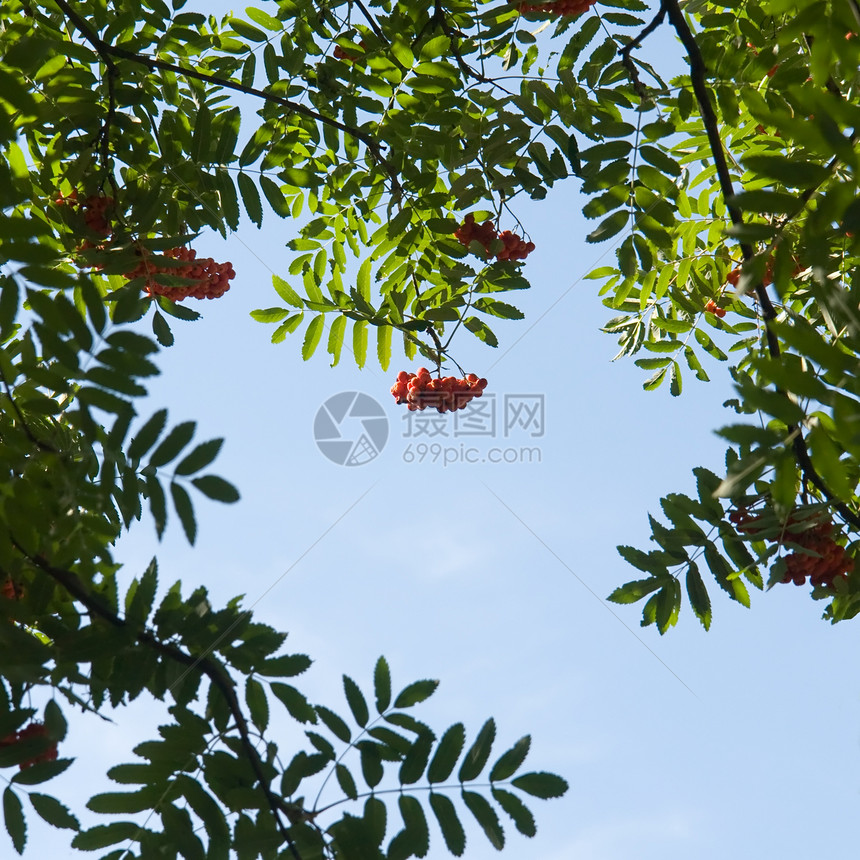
(446, 394)
(94, 208)
(34, 730)
(515, 247)
(713, 308)
(824, 559)
(211, 278)
(559, 7)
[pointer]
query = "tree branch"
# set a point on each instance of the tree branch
(698, 73)
(211, 668)
(107, 52)
(625, 51)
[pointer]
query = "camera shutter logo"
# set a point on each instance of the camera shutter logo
(351, 428)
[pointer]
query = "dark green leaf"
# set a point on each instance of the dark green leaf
(541, 784)
(509, 762)
(382, 685)
(414, 693)
(216, 488)
(13, 815)
(449, 823)
(447, 753)
(523, 819)
(356, 701)
(486, 816)
(478, 753)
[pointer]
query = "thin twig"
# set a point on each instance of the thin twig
(625, 51)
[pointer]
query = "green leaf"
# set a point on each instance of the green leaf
(541, 784)
(185, 511)
(523, 819)
(359, 342)
(631, 592)
(382, 685)
(286, 292)
(172, 444)
(51, 810)
(478, 753)
(106, 834)
(246, 30)
(383, 345)
(415, 823)
(481, 330)
(335, 338)
(269, 315)
(258, 706)
(145, 438)
(509, 762)
(296, 704)
(251, 198)
(449, 823)
(13, 815)
(216, 488)
(356, 701)
(345, 781)
(334, 724)
(609, 227)
(447, 753)
(371, 764)
(698, 594)
(415, 693)
(486, 816)
(416, 759)
(312, 336)
(199, 458)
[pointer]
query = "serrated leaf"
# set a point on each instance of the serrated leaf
(184, 510)
(55, 813)
(295, 702)
(359, 342)
(415, 823)
(145, 438)
(447, 753)
(478, 753)
(251, 198)
(383, 345)
(415, 693)
(312, 336)
(334, 724)
(509, 762)
(104, 835)
(371, 764)
(258, 706)
(13, 816)
(335, 338)
(449, 823)
(199, 458)
(415, 759)
(172, 444)
(345, 781)
(287, 293)
(382, 685)
(541, 784)
(486, 816)
(698, 594)
(356, 701)
(520, 814)
(217, 489)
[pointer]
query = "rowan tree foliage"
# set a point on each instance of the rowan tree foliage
(398, 139)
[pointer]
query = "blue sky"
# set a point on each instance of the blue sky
(485, 576)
